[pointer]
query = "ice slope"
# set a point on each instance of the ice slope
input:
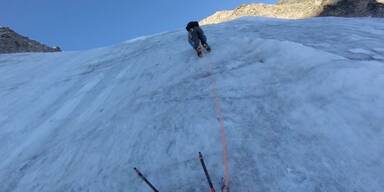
(303, 106)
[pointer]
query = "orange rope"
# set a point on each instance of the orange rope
(220, 118)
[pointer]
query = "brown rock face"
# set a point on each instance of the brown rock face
(354, 8)
(298, 9)
(11, 42)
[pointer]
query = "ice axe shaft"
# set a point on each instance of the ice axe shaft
(145, 180)
(212, 189)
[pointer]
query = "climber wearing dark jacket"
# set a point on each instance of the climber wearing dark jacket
(197, 38)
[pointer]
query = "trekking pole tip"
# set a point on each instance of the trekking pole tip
(200, 155)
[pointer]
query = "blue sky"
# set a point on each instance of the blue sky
(85, 24)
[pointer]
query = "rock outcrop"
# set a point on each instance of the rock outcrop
(353, 8)
(12, 42)
(298, 9)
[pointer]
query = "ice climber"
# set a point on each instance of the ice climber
(197, 38)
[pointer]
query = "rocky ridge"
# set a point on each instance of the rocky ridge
(299, 9)
(355, 8)
(12, 42)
